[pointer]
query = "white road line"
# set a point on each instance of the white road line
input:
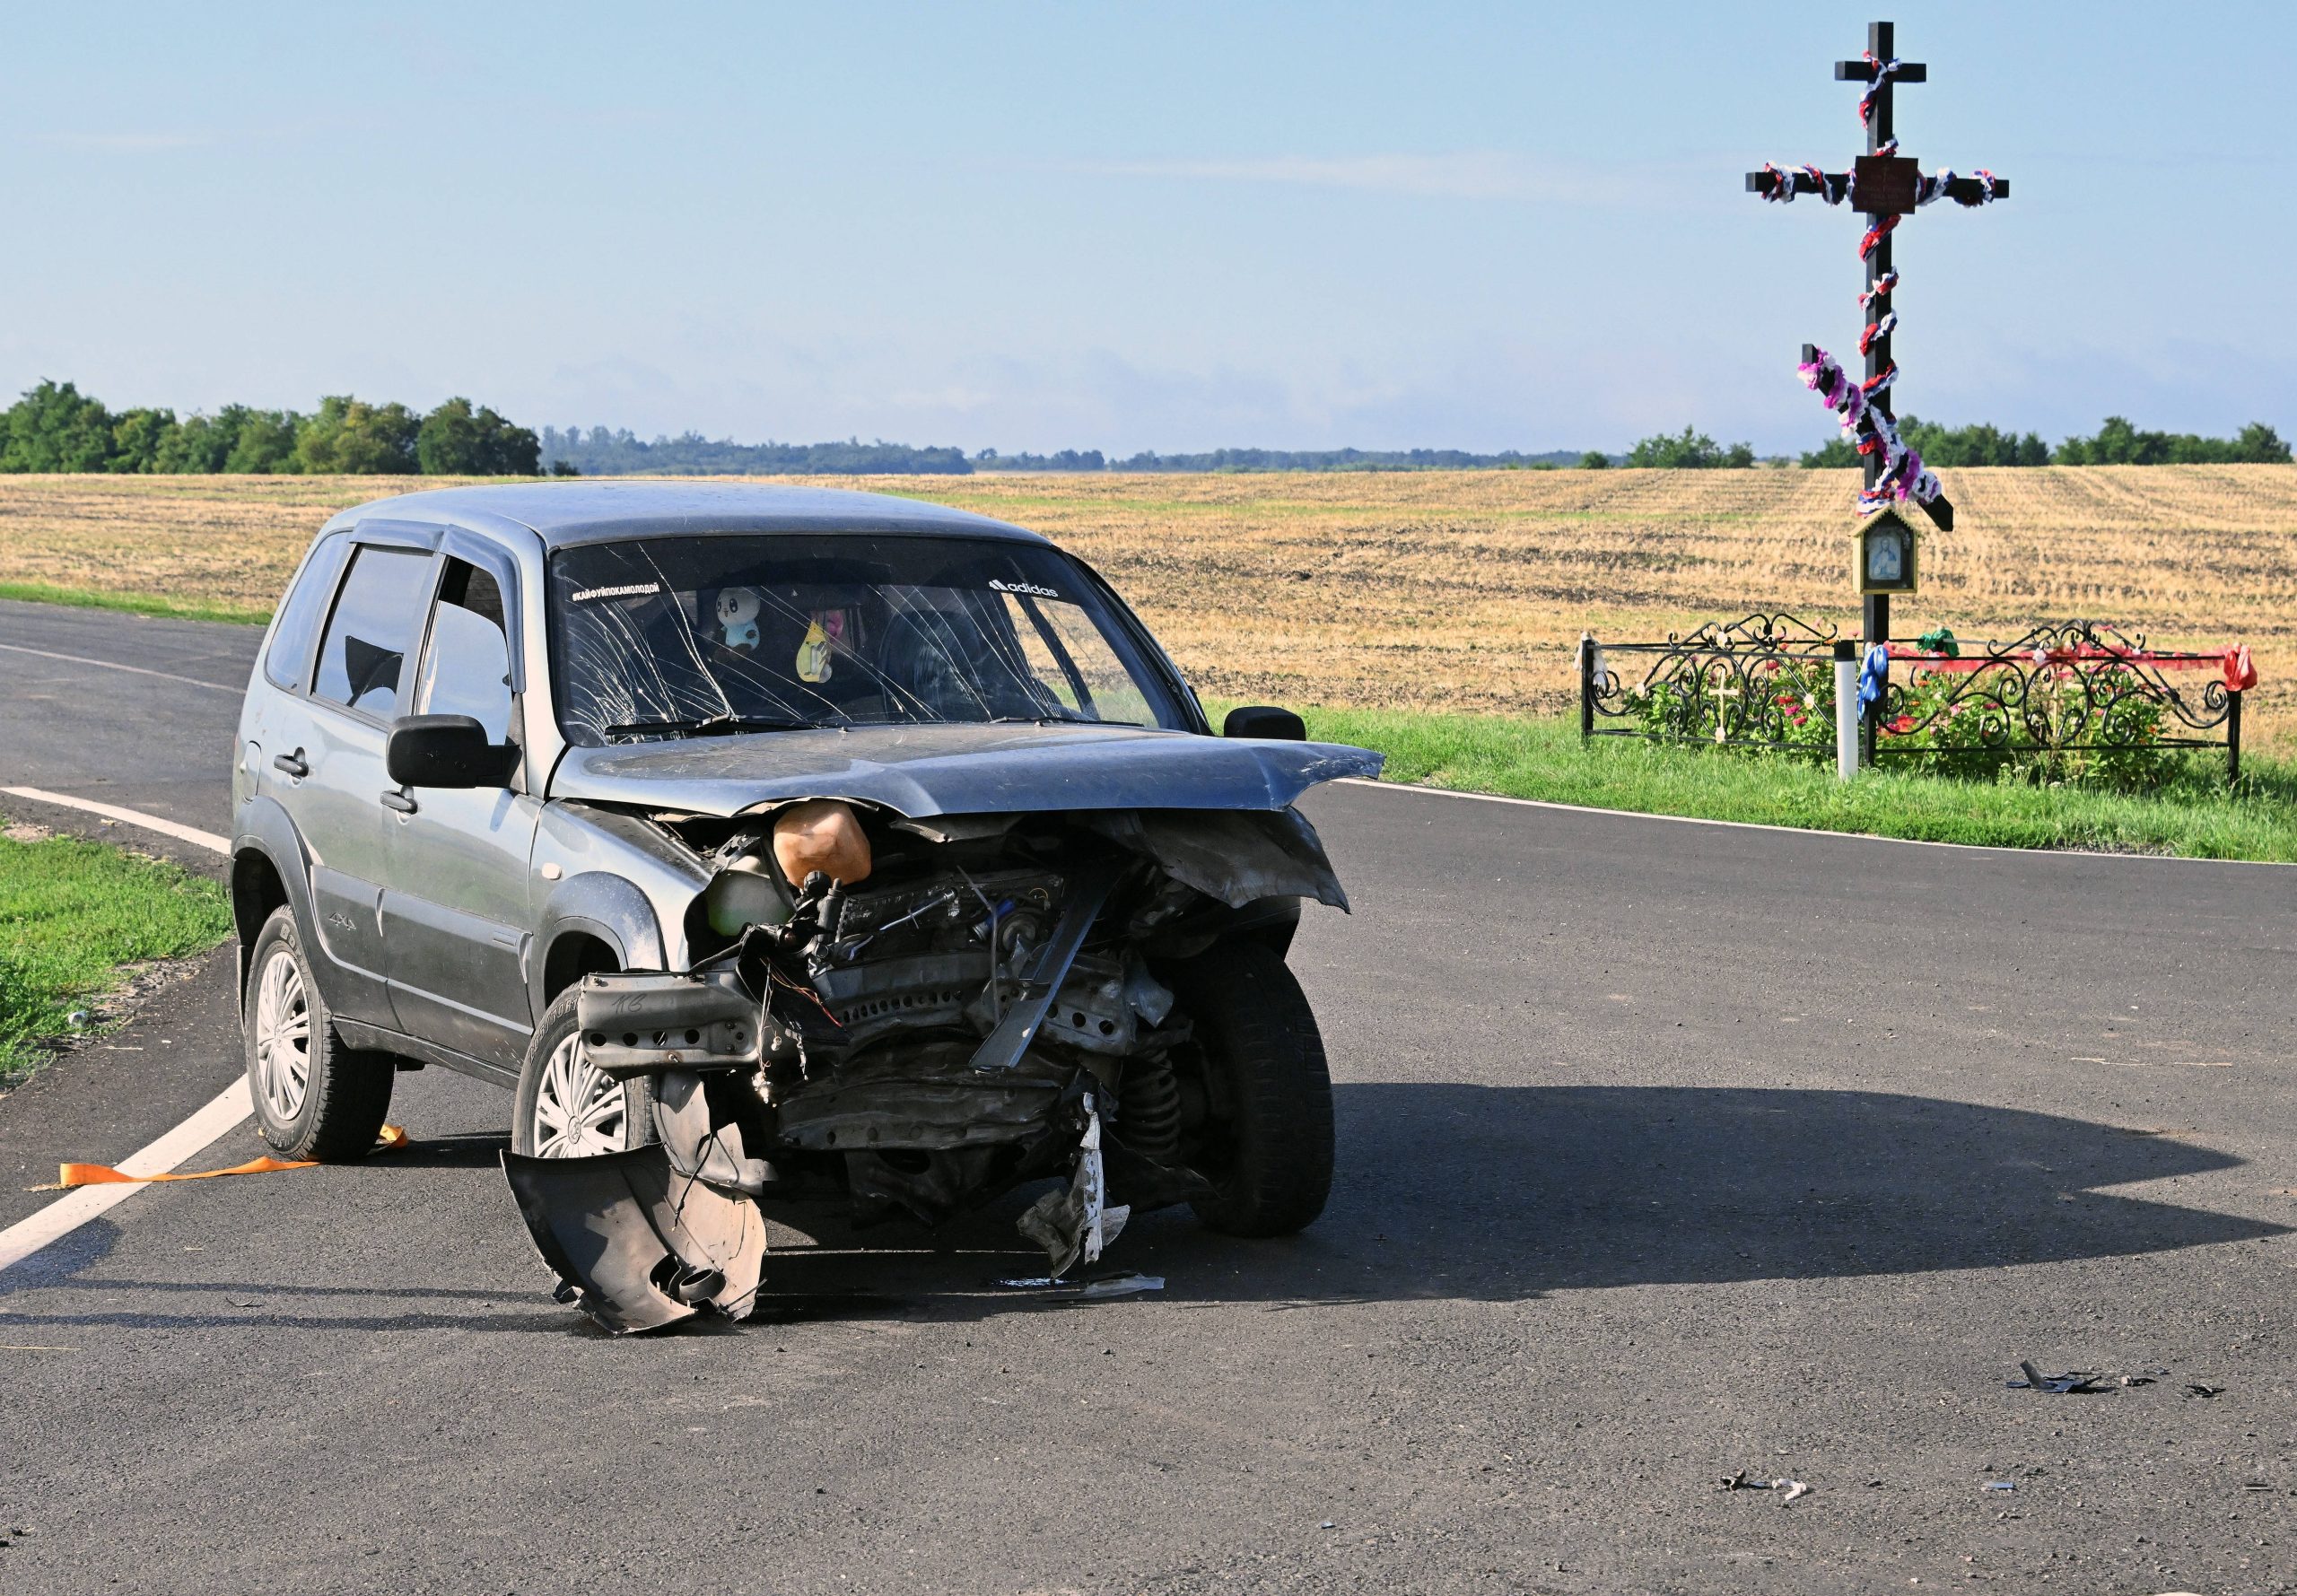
(167, 828)
(164, 676)
(225, 1113)
(1802, 831)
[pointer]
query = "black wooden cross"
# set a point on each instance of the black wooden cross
(1885, 186)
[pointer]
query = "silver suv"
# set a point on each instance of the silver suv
(773, 845)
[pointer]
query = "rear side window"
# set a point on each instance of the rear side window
(375, 624)
(287, 663)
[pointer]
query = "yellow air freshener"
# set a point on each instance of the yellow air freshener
(813, 654)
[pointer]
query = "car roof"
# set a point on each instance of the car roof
(564, 513)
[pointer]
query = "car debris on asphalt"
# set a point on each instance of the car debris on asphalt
(1052, 1288)
(2080, 1381)
(1789, 1490)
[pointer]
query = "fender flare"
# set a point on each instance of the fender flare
(265, 829)
(596, 903)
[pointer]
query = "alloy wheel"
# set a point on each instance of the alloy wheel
(579, 1108)
(282, 1038)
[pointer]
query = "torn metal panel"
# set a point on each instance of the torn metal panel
(639, 1022)
(638, 1246)
(1238, 856)
(1074, 1224)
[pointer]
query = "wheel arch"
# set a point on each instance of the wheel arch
(579, 948)
(263, 880)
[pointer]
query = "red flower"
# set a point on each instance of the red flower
(1903, 723)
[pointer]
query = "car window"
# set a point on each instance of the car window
(1074, 662)
(678, 635)
(466, 666)
(373, 627)
(287, 662)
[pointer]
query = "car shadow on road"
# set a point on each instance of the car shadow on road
(1494, 1193)
(1510, 1192)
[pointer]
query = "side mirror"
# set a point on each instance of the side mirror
(1264, 721)
(447, 751)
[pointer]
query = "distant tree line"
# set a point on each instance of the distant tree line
(1277, 459)
(1685, 451)
(55, 427)
(603, 451)
(2116, 443)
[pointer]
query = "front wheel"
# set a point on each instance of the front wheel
(567, 1107)
(314, 1097)
(1266, 1143)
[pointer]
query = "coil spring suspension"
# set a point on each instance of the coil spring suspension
(1149, 1096)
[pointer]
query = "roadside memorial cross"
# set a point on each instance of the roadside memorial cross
(1886, 186)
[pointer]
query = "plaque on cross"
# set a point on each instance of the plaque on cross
(1885, 186)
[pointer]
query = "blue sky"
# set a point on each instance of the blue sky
(1171, 227)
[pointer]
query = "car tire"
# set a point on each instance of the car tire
(314, 1097)
(561, 1108)
(1268, 1150)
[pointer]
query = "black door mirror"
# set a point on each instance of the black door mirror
(1264, 721)
(447, 751)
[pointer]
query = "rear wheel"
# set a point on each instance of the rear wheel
(567, 1107)
(1266, 1142)
(314, 1097)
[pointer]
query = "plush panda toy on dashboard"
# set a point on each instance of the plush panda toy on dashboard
(737, 610)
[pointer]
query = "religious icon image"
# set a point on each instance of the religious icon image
(1885, 559)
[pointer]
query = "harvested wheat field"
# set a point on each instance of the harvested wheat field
(1461, 590)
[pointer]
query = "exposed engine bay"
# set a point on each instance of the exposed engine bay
(912, 1018)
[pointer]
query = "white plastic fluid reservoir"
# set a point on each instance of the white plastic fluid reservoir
(744, 894)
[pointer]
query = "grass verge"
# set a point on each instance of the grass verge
(71, 914)
(135, 604)
(2194, 817)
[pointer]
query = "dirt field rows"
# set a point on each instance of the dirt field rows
(1440, 591)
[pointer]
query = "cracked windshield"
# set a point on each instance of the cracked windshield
(690, 636)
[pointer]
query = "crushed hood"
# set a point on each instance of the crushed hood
(960, 769)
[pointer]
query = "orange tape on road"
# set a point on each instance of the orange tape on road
(69, 1175)
(391, 1139)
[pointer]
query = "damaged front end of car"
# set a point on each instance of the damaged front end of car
(914, 1016)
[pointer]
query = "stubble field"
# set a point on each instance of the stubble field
(1438, 590)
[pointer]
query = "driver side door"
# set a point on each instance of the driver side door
(455, 903)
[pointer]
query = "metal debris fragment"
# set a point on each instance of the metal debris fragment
(1789, 1490)
(1052, 1288)
(2074, 1383)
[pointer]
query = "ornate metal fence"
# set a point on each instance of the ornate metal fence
(2079, 697)
(1754, 683)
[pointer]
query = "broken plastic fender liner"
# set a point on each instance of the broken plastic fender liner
(391, 1139)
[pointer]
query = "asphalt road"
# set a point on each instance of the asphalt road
(1668, 1151)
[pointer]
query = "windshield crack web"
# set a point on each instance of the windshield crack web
(909, 631)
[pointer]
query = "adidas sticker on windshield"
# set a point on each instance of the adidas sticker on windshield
(1031, 588)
